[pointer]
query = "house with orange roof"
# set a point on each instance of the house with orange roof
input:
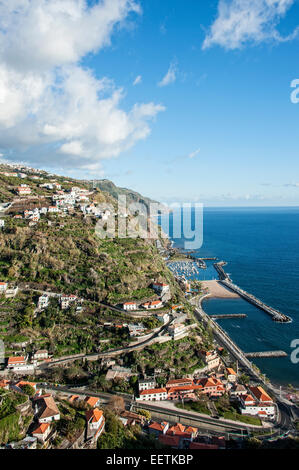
(95, 423)
(42, 432)
(14, 361)
(92, 401)
(3, 287)
(211, 386)
(184, 391)
(158, 429)
(154, 394)
(260, 395)
(5, 384)
(46, 409)
(231, 375)
(210, 359)
(179, 382)
(152, 305)
(258, 403)
(73, 398)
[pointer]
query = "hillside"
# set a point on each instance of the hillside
(110, 188)
(61, 253)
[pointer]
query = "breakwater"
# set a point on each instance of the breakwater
(226, 281)
(267, 354)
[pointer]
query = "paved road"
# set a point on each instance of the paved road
(112, 352)
(286, 412)
(206, 423)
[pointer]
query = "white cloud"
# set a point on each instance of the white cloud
(137, 80)
(51, 108)
(193, 154)
(170, 76)
(248, 21)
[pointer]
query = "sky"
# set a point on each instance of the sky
(181, 100)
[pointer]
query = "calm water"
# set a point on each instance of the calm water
(261, 246)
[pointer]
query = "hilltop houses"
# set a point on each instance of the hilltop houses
(130, 306)
(43, 302)
(160, 287)
(23, 190)
(46, 409)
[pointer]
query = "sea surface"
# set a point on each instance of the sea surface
(261, 247)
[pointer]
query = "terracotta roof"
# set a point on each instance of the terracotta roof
(260, 394)
(158, 426)
(248, 398)
(177, 427)
(42, 428)
(73, 398)
(16, 359)
(92, 401)
(94, 416)
(153, 391)
(182, 388)
(231, 371)
(49, 407)
(171, 383)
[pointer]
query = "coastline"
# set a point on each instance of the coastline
(218, 291)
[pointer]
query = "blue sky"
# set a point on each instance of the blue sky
(220, 129)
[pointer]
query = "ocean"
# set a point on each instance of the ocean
(261, 247)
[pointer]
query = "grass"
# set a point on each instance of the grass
(194, 406)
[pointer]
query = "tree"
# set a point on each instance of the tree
(145, 413)
(28, 390)
(116, 403)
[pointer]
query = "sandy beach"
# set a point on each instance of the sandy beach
(218, 291)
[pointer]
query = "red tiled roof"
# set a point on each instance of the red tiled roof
(92, 401)
(16, 359)
(42, 428)
(260, 394)
(153, 391)
(171, 383)
(158, 426)
(94, 415)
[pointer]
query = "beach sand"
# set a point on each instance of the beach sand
(218, 291)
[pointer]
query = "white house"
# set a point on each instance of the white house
(155, 394)
(231, 375)
(163, 317)
(43, 302)
(130, 306)
(41, 355)
(95, 421)
(42, 432)
(176, 330)
(2, 223)
(23, 190)
(146, 384)
(153, 305)
(11, 292)
(160, 287)
(47, 410)
(3, 287)
(15, 361)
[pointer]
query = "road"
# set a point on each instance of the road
(112, 352)
(287, 412)
(163, 410)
